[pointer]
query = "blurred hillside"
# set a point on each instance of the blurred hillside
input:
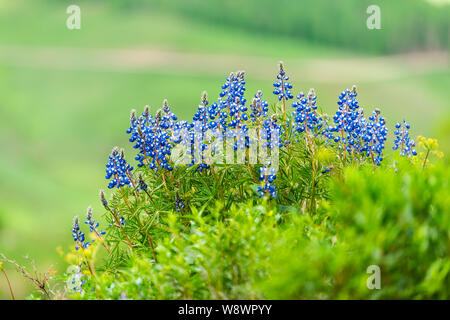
(65, 95)
(406, 25)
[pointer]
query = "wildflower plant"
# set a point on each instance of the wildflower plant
(232, 151)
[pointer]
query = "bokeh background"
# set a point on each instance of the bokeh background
(65, 95)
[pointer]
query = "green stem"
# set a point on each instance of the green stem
(426, 158)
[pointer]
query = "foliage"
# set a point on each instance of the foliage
(396, 220)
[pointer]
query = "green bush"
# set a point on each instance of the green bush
(397, 220)
(314, 229)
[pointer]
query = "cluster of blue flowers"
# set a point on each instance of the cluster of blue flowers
(375, 134)
(403, 141)
(93, 225)
(355, 136)
(79, 236)
(141, 183)
(305, 115)
(152, 138)
(118, 169)
(282, 85)
(347, 125)
(200, 126)
(259, 108)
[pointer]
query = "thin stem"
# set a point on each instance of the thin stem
(150, 197)
(426, 158)
(102, 241)
(284, 115)
(91, 267)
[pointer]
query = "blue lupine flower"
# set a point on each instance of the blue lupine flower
(179, 204)
(305, 115)
(346, 121)
(403, 141)
(350, 127)
(373, 136)
(133, 121)
(152, 137)
(233, 87)
(78, 236)
(282, 86)
(269, 131)
(118, 169)
(355, 136)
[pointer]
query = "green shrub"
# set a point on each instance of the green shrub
(396, 220)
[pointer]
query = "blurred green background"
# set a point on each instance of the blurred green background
(65, 95)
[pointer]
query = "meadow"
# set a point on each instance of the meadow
(65, 98)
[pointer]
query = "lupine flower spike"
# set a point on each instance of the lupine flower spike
(283, 91)
(154, 136)
(375, 135)
(118, 169)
